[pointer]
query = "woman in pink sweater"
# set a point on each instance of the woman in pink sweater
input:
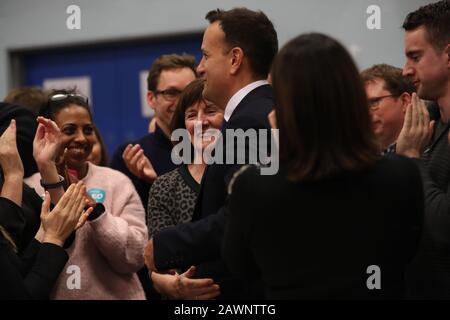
(107, 252)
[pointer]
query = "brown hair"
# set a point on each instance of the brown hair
(33, 98)
(192, 94)
(321, 110)
(394, 81)
(168, 62)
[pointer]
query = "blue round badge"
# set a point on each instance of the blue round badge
(97, 194)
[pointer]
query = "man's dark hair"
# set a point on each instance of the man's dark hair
(251, 31)
(435, 17)
(393, 78)
(169, 62)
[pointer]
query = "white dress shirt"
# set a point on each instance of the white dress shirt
(238, 96)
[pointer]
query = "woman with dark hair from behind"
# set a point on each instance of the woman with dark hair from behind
(341, 220)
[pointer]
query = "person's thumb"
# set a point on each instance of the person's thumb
(431, 126)
(13, 128)
(430, 129)
(10, 132)
(190, 272)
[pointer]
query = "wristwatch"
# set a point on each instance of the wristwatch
(99, 209)
(53, 185)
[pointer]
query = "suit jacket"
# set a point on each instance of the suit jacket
(201, 240)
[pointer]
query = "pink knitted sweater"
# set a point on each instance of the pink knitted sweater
(108, 251)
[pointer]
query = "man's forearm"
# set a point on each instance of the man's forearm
(189, 243)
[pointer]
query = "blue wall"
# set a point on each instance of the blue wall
(114, 73)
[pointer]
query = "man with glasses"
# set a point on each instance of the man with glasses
(388, 93)
(168, 76)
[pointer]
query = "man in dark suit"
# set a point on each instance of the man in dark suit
(238, 48)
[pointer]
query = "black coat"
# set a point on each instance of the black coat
(22, 222)
(33, 274)
(316, 240)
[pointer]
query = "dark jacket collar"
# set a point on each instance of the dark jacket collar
(264, 91)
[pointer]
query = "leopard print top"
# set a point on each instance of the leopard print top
(172, 199)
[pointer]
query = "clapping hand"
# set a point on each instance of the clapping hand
(67, 216)
(138, 163)
(10, 161)
(47, 142)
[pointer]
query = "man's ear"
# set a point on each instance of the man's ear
(237, 59)
(405, 98)
(151, 99)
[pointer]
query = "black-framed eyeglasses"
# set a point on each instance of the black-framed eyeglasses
(375, 101)
(63, 96)
(169, 94)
